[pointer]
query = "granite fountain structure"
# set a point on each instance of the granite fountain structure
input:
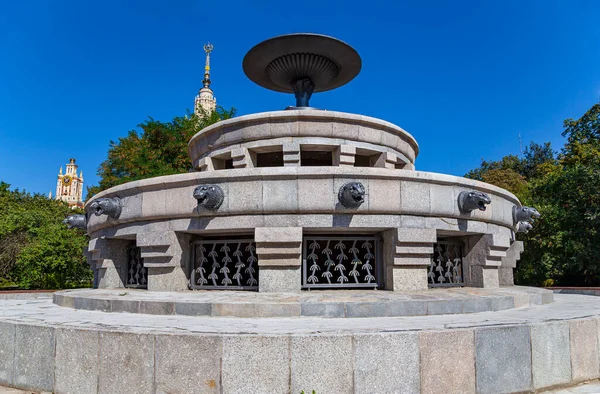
(305, 252)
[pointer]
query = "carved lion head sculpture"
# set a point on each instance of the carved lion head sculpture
(76, 221)
(524, 227)
(210, 196)
(106, 206)
(469, 201)
(525, 214)
(352, 194)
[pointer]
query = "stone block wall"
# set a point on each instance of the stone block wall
(498, 359)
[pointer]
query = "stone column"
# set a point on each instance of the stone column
(166, 256)
(205, 164)
(291, 154)
(407, 256)
(279, 251)
(241, 158)
(483, 258)
(344, 156)
(513, 254)
(387, 160)
(108, 257)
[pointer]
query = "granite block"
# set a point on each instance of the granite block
(323, 309)
(34, 357)
(98, 304)
(280, 196)
(126, 362)
(129, 306)
(445, 307)
(550, 354)
(7, 352)
(415, 197)
(256, 364)
(502, 303)
(188, 364)
(384, 196)
(316, 195)
(442, 200)
(503, 359)
(406, 278)
(441, 374)
(245, 197)
(479, 304)
(367, 309)
(76, 361)
(408, 308)
(157, 308)
(398, 352)
(584, 349)
(287, 280)
(312, 360)
(193, 309)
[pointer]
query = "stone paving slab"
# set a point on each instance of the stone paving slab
(44, 312)
(584, 388)
(331, 304)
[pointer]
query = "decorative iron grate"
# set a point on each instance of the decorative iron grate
(446, 268)
(137, 276)
(230, 264)
(341, 262)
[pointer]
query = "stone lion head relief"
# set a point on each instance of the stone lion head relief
(525, 214)
(76, 221)
(523, 227)
(523, 218)
(472, 200)
(209, 196)
(352, 194)
(106, 206)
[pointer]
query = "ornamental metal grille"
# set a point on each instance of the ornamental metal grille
(446, 268)
(228, 264)
(341, 262)
(137, 276)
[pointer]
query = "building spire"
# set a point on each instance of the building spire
(205, 102)
(208, 49)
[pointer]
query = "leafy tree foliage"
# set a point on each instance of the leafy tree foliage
(564, 246)
(37, 251)
(160, 149)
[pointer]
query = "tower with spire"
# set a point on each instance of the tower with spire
(205, 98)
(69, 186)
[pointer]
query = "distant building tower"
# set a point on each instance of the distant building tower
(205, 98)
(69, 186)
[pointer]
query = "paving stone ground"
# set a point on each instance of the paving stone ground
(43, 312)
(585, 388)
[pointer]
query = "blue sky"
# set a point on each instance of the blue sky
(464, 78)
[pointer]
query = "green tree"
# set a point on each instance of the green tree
(564, 245)
(36, 249)
(569, 193)
(159, 149)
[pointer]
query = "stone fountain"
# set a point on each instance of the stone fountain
(305, 252)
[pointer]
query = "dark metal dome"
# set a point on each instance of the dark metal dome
(302, 64)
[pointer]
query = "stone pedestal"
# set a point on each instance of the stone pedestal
(109, 258)
(241, 158)
(279, 251)
(513, 254)
(166, 256)
(483, 258)
(344, 156)
(291, 154)
(407, 256)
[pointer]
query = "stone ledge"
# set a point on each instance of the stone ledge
(329, 304)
